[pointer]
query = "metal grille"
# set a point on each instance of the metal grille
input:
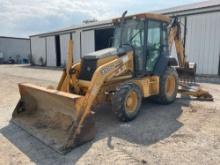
(88, 67)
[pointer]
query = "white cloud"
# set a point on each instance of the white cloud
(22, 18)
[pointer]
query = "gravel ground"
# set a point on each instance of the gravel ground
(185, 132)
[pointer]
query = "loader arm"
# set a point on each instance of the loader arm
(67, 79)
(101, 75)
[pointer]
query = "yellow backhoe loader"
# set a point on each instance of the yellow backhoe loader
(137, 66)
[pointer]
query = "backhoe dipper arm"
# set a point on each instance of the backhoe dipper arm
(186, 70)
(174, 35)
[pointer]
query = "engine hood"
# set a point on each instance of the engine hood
(108, 52)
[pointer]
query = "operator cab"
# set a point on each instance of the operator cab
(147, 35)
(144, 34)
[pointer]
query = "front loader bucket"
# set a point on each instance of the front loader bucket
(52, 117)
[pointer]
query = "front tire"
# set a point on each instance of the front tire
(126, 101)
(168, 87)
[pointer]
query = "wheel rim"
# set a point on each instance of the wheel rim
(131, 102)
(170, 85)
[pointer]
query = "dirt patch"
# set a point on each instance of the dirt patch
(185, 132)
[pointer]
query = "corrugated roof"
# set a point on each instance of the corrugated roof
(76, 27)
(193, 6)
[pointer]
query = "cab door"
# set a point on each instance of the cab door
(157, 47)
(153, 44)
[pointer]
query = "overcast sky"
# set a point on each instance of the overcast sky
(21, 18)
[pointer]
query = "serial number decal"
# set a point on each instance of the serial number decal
(107, 69)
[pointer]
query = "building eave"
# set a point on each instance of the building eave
(17, 38)
(75, 28)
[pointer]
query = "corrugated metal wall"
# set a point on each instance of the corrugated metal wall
(63, 47)
(51, 51)
(88, 41)
(14, 48)
(203, 42)
(38, 48)
(84, 42)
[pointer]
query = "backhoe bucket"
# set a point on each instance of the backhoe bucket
(52, 117)
(187, 73)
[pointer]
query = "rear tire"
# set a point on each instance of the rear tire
(168, 87)
(126, 102)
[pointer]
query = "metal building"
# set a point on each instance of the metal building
(17, 49)
(201, 34)
(50, 49)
